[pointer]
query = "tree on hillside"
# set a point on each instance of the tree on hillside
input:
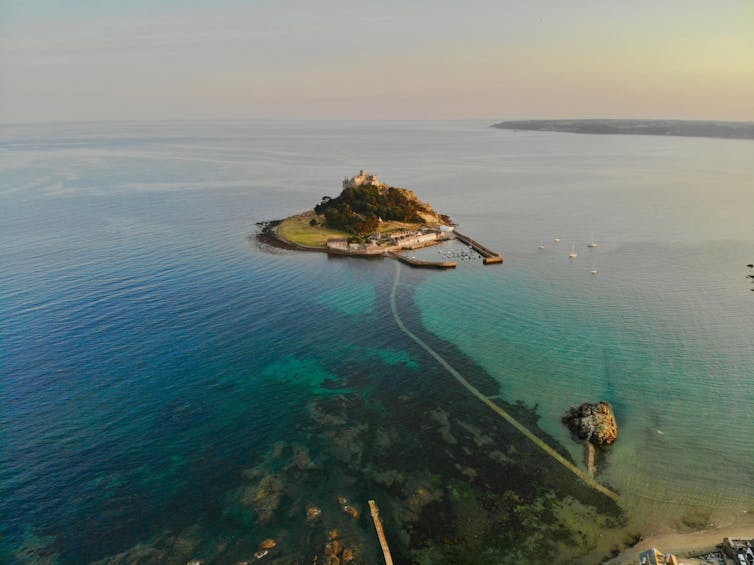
(359, 209)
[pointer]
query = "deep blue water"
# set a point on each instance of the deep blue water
(154, 354)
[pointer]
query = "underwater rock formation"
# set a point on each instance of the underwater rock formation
(336, 552)
(347, 507)
(264, 497)
(313, 513)
(593, 422)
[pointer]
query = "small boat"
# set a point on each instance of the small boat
(595, 271)
(573, 254)
(540, 247)
(592, 243)
(557, 239)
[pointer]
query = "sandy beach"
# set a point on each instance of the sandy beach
(683, 544)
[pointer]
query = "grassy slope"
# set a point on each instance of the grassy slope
(297, 229)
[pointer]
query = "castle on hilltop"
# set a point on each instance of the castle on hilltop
(362, 179)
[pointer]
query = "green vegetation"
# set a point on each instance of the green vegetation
(356, 214)
(299, 229)
(358, 210)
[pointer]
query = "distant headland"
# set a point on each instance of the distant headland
(681, 128)
(371, 219)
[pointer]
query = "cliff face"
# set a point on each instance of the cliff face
(424, 209)
(593, 422)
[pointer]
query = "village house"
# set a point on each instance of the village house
(408, 238)
(338, 243)
(654, 557)
(418, 240)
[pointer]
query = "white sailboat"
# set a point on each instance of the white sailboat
(573, 254)
(557, 239)
(592, 243)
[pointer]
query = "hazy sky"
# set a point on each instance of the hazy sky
(497, 59)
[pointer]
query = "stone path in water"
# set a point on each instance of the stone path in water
(485, 400)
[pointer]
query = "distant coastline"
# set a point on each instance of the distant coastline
(678, 128)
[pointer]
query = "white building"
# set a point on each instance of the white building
(413, 238)
(338, 243)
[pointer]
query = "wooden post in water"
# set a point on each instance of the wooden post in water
(380, 532)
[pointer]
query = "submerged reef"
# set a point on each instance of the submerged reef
(454, 482)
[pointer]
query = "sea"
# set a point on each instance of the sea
(173, 388)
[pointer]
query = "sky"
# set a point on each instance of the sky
(82, 60)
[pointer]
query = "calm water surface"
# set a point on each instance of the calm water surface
(172, 389)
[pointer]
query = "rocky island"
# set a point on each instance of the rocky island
(594, 424)
(371, 219)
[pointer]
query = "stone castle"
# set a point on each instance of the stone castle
(362, 179)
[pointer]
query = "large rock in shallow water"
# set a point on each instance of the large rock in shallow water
(593, 422)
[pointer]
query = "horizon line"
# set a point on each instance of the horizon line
(492, 121)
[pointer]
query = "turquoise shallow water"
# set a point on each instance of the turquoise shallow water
(160, 369)
(662, 331)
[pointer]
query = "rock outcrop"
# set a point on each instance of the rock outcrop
(593, 422)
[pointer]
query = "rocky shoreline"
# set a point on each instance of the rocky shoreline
(268, 234)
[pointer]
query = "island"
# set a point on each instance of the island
(594, 424)
(371, 219)
(682, 128)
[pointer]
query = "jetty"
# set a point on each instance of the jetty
(380, 532)
(489, 257)
(591, 456)
(414, 262)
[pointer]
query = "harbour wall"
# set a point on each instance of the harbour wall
(489, 257)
